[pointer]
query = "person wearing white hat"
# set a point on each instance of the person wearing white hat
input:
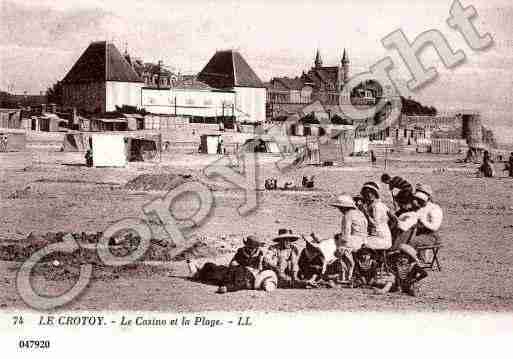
(354, 223)
(282, 258)
(377, 216)
(429, 217)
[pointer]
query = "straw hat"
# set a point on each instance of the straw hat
(285, 235)
(372, 186)
(423, 191)
(344, 201)
(253, 242)
(408, 250)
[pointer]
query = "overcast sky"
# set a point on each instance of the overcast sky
(41, 39)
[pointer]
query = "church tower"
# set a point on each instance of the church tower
(345, 66)
(318, 60)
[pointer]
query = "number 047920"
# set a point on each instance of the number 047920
(34, 344)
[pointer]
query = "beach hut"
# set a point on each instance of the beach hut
(75, 142)
(209, 144)
(12, 141)
(109, 150)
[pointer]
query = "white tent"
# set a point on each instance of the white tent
(109, 150)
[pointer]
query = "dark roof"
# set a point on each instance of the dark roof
(150, 68)
(100, 62)
(313, 107)
(191, 83)
(228, 69)
(323, 76)
(288, 83)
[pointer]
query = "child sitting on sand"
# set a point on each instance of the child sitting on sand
(344, 254)
(406, 273)
(365, 267)
(321, 262)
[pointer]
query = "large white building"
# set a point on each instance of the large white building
(189, 98)
(227, 70)
(100, 80)
(227, 86)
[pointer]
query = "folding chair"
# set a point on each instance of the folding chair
(434, 248)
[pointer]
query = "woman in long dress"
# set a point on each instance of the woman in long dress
(354, 224)
(377, 216)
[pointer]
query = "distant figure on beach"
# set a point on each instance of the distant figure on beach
(89, 158)
(308, 182)
(3, 142)
(270, 184)
(510, 164)
(486, 168)
(220, 147)
(372, 158)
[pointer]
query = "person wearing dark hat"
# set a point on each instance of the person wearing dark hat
(400, 189)
(248, 258)
(282, 258)
(251, 255)
(377, 216)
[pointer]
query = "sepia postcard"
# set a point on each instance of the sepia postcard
(298, 177)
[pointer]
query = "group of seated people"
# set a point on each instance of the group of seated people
(369, 221)
(273, 184)
(349, 258)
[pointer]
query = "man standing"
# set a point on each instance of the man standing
(486, 168)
